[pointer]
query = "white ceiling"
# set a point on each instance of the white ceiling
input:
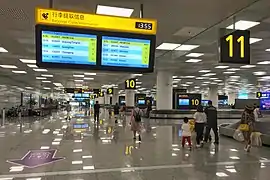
(179, 21)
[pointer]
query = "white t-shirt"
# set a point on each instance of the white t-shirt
(200, 117)
(256, 113)
(186, 130)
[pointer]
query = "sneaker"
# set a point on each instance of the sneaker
(190, 148)
(248, 148)
(116, 121)
(198, 145)
(140, 139)
(134, 138)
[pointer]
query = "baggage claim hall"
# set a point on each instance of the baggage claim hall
(134, 90)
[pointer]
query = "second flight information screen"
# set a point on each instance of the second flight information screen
(68, 48)
(125, 52)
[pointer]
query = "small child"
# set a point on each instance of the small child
(186, 132)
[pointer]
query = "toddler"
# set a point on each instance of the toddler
(186, 133)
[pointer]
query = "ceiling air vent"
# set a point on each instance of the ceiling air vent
(13, 13)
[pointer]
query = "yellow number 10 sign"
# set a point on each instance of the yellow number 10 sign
(130, 84)
(235, 47)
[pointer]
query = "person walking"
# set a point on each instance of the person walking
(68, 109)
(200, 120)
(211, 115)
(247, 126)
(148, 109)
(116, 110)
(135, 122)
(96, 111)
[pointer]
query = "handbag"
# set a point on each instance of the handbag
(244, 127)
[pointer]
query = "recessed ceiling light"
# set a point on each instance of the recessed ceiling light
(228, 72)
(168, 46)
(194, 54)
(114, 11)
(243, 25)
(221, 67)
(40, 70)
(189, 82)
(138, 82)
(40, 78)
(58, 84)
(186, 47)
(197, 87)
(209, 74)
(204, 71)
(193, 60)
(19, 72)
(9, 66)
(46, 88)
(137, 74)
(259, 73)
(3, 50)
(78, 75)
(264, 62)
(248, 66)
(187, 77)
(78, 80)
(174, 77)
(90, 74)
(184, 85)
(235, 77)
(200, 78)
(47, 75)
(29, 88)
(254, 40)
(218, 80)
(29, 61)
(213, 78)
(268, 50)
(32, 65)
(233, 69)
(88, 78)
(46, 81)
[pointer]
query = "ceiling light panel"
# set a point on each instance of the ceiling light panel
(209, 74)
(40, 70)
(228, 72)
(194, 54)
(88, 78)
(19, 72)
(186, 47)
(248, 66)
(9, 66)
(233, 69)
(41, 78)
(28, 61)
(221, 67)
(168, 46)
(193, 60)
(3, 50)
(243, 25)
(114, 11)
(204, 71)
(264, 62)
(46, 81)
(78, 75)
(90, 74)
(58, 84)
(259, 73)
(47, 75)
(32, 65)
(254, 40)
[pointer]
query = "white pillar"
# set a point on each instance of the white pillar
(101, 100)
(115, 96)
(231, 97)
(107, 98)
(130, 97)
(213, 95)
(164, 90)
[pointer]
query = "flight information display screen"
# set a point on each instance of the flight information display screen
(68, 48)
(125, 52)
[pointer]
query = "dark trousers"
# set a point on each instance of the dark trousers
(207, 132)
(199, 127)
(96, 116)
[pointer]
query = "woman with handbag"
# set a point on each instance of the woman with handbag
(247, 125)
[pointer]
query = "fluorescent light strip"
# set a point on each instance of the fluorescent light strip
(254, 40)
(47, 75)
(9, 66)
(40, 78)
(221, 67)
(78, 75)
(88, 78)
(186, 47)
(193, 60)
(90, 74)
(19, 72)
(29, 61)
(114, 11)
(194, 54)
(248, 66)
(3, 50)
(58, 84)
(46, 81)
(32, 65)
(40, 70)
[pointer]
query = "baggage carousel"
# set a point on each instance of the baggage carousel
(263, 126)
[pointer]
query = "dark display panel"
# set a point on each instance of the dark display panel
(188, 101)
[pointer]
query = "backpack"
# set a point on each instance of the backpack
(137, 116)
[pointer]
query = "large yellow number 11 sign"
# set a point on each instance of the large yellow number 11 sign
(235, 48)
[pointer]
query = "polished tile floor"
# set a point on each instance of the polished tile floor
(107, 152)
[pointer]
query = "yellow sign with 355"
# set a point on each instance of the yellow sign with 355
(93, 21)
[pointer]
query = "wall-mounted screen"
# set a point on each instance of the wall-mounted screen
(265, 104)
(68, 48)
(183, 102)
(125, 52)
(141, 101)
(75, 48)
